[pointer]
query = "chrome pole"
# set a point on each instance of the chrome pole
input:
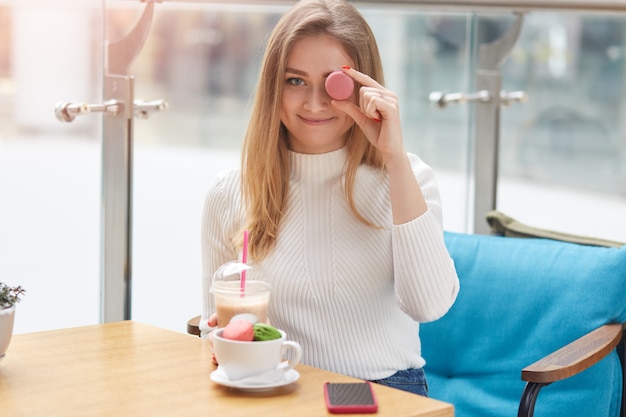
(117, 172)
(487, 123)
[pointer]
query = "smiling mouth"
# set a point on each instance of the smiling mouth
(316, 121)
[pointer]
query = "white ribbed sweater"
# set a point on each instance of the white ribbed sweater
(351, 295)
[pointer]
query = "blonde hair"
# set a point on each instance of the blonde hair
(265, 166)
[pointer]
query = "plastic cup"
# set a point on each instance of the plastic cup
(230, 300)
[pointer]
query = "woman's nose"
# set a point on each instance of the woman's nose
(317, 98)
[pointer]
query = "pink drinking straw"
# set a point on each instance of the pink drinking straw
(244, 259)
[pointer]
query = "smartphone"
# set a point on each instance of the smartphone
(351, 397)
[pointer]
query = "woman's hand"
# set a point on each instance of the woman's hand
(213, 320)
(377, 114)
(212, 323)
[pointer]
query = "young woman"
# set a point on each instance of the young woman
(344, 223)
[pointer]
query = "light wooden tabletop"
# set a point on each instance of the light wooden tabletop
(133, 369)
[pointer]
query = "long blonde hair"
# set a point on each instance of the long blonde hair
(265, 166)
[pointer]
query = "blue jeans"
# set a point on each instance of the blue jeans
(410, 380)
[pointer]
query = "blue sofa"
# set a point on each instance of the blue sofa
(520, 300)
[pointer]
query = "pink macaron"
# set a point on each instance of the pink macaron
(339, 85)
(241, 330)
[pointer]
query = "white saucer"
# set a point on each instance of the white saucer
(219, 377)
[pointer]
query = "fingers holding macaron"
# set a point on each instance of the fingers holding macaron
(375, 101)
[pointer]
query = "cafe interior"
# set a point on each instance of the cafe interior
(116, 116)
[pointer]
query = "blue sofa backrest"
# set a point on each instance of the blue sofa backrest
(521, 299)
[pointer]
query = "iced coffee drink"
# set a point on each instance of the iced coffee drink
(230, 300)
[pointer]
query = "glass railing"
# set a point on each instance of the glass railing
(562, 155)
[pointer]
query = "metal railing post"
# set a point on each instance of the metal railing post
(487, 123)
(117, 172)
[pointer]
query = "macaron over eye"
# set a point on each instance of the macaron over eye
(339, 85)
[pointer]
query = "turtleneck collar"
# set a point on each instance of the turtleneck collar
(317, 168)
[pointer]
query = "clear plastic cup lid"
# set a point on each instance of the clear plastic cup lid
(230, 271)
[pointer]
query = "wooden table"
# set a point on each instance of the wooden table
(133, 369)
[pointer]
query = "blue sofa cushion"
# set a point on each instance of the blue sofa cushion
(520, 300)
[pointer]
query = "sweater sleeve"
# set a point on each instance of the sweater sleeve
(219, 222)
(426, 283)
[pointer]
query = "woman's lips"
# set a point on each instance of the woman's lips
(316, 121)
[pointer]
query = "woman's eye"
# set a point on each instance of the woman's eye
(295, 81)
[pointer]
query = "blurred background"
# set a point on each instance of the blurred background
(562, 156)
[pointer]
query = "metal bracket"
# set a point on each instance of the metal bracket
(442, 99)
(67, 112)
(144, 108)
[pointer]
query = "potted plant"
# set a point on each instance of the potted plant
(9, 296)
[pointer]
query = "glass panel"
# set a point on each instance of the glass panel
(442, 59)
(49, 171)
(564, 151)
(563, 154)
(424, 52)
(204, 59)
